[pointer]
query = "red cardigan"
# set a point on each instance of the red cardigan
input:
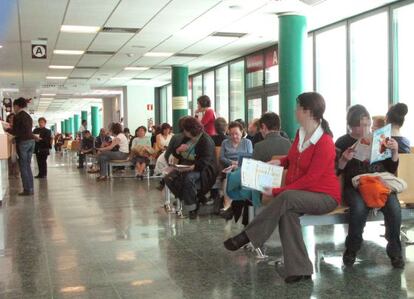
(311, 170)
(208, 122)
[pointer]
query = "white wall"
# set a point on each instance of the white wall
(136, 99)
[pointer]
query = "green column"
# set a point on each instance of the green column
(67, 126)
(62, 127)
(179, 94)
(292, 42)
(76, 122)
(71, 127)
(95, 120)
(84, 116)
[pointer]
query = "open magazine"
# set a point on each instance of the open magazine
(373, 148)
(258, 175)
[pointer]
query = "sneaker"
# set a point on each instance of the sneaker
(349, 257)
(398, 262)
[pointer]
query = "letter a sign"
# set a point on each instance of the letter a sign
(39, 51)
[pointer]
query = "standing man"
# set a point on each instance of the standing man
(22, 130)
(43, 144)
(83, 127)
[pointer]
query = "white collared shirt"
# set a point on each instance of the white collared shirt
(313, 140)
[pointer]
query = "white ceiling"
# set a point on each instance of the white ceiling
(176, 26)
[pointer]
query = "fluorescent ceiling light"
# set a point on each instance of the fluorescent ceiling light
(1, 46)
(10, 89)
(68, 52)
(136, 68)
(158, 54)
(61, 67)
(120, 78)
(56, 78)
(79, 29)
(47, 94)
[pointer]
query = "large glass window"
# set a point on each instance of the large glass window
(197, 90)
(169, 104)
(163, 104)
(331, 76)
(254, 68)
(237, 101)
(404, 64)
(208, 86)
(273, 103)
(254, 108)
(222, 92)
(309, 64)
(272, 67)
(369, 63)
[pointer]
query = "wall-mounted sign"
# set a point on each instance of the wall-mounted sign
(150, 107)
(39, 49)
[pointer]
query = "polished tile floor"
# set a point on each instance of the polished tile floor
(81, 239)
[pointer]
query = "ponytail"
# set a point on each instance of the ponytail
(325, 127)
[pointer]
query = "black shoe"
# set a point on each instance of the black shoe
(236, 242)
(39, 176)
(80, 167)
(160, 187)
(227, 213)
(398, 262)
(349, 257)
(297, 278)
(25, 193)
(192, 214)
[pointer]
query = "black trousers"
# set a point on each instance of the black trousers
(42, 163)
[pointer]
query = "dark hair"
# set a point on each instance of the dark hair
(180, 123)
(271, 120)
(240, 121)
(165, 126)
(9, 117)
(396, 114)
(20, 102)
(315, 103)
(126, 130)
(86, 132)
(236, 124)
(116, 128)
(220, 124)
(42, 119)
(192, 126)
(204, 101)
(139, 128)
(84, 121)
(355, 114)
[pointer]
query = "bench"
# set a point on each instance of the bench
(126, 163)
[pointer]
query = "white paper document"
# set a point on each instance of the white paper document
(258, 175)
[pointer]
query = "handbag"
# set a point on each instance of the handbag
(373, 190)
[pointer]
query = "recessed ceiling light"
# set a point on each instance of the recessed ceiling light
(61, 67)
(130, 54)
(56, 78)
(10, 89)
(120, 78)
(1, 46)
(79, 29)
(68, 52)
(136, 68)
(47, 94)
(158, 54)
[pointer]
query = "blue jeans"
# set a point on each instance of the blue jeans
(189, 190)
(358, 217)
(105, 157)
(25, 151)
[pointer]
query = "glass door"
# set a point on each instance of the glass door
(254, 108)
(272, 103)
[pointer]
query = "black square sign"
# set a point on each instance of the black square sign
(39, 51)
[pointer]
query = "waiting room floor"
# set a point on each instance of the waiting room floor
(81, 239)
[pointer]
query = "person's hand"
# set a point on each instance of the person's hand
(392, 144)
(186, 169)
(274, 162)
(182, 148)
(268, 191)
(348, 154)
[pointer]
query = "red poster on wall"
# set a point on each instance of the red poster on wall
(254, 63)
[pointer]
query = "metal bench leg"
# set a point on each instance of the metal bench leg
(179, 208)
(110, 170)
(407, 240)
(167, 199)
(259, 254)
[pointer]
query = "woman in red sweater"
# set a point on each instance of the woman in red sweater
(311, 188)
(206, 115)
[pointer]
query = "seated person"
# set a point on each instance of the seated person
(196, 150)
(396, 116)
(310, 161)
(359, 122)
(117, 150)
(86, 148)
(103, 139)
(378, 121)
(221, 129)
(253, 132)
(230, 151)
(141, 151)
(58, 142)
(163, 138)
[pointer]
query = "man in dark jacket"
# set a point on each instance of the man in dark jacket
(22, 130)
(43, 138)
(87, 147)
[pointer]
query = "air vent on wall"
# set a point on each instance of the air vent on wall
(87, 68)
(229, 34)
(100, 52)
(120, 30)
(187, 55)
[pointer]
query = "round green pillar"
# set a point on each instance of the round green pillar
(76, 122)
(71, 130)
(292, 43)
(62, 127)
(67, 131)
(179, 81)
(95, 120)
(84, 116)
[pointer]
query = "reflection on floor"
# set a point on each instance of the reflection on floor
(81, 239)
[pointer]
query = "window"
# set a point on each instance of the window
(237, 104)
(331, 76)
(197, 90)
(369, 63)
(222, 92)
(404, 63)
(273, 103)
(254, 69)
(169, 104)
(309, 64)
(163, 104)
(208, 86)
(272, 67)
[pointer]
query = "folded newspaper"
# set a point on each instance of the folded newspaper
(258, 175)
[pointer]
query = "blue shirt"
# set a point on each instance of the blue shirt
(229, 153)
